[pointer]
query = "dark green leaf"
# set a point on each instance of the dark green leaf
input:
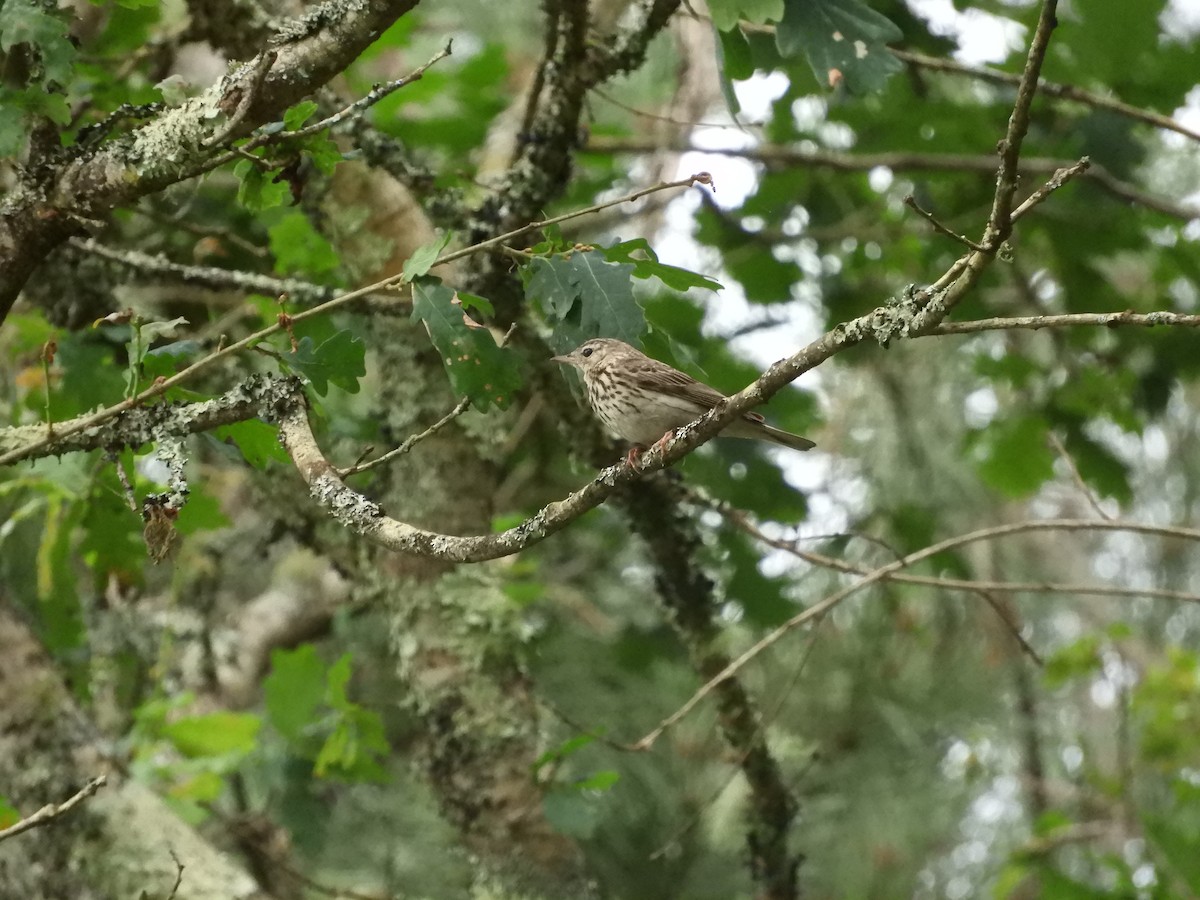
(588, 296)
(202, 512)
(257, 190)
(300, 250)
(843, 39)
(727, 13)
(26, 22)
(297, 115)
(1099, 467)
(294, 691)
(733, 64)
(166, 360)
(323, 151)
(112, 535)
(258, 441)
(59, 612)
(91, 376)
(1012, 455)
(478, 369)
(341, 359)
(648, 266)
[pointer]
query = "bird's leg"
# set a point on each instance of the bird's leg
(634, 457)
(661, 444)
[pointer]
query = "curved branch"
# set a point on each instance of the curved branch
(740, 520)
(884, 572)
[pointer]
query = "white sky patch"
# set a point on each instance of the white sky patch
(981, 36)
(1181, 19)
(980, 407)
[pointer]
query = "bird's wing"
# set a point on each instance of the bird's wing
(654, 375)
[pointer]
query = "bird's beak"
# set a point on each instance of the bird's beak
(563, 359)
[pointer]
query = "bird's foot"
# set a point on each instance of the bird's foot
(634, 458)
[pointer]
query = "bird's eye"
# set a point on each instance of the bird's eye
(588, 351)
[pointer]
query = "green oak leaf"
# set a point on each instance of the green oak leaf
(842, 40)
(478, 368)
(424, 257)
(586, 296)
(648, 266)
(340, 359)
(727, 13)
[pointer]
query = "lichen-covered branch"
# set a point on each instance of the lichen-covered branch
(54, 198)
(257, 397)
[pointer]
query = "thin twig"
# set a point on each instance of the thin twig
(884, 572)
(1057, 180)
(50, 812)
(1069, 460)
(413, 440)
(782, 698)
(377, 93)
(210, 277)
(641, 113)
(1067, 320)
(1012, 625)
(220, 234)
(126, 486)
(409, 442)
(1049, 88)
(263, 138)
(317, 886)
(1000, 220)
(178, 876)
(911, 202)
(897, 161)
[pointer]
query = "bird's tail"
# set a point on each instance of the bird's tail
(786, 438)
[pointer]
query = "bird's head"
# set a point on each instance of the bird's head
(594, 354)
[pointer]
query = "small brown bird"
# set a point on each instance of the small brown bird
(642, 400)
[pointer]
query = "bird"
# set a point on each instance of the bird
(643, 401)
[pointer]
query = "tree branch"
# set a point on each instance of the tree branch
(1049, 88)
(51, 811)
(161, 386)
(884, 572)
(774, 154)
(46, 208)
(258, 397)
(206, 276)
